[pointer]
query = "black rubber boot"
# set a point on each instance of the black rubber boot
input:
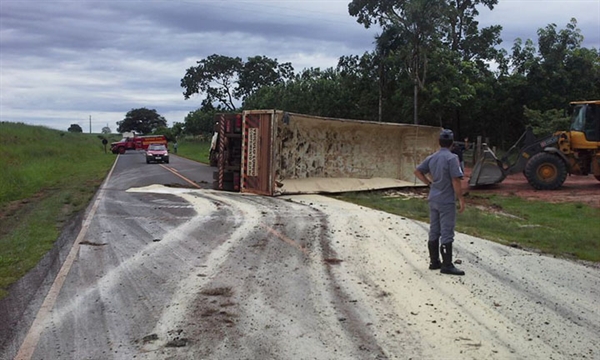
(447, 266)
(434, 255)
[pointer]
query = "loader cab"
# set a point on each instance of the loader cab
(585, 118)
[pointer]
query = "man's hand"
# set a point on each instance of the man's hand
(422, 177)
(459, 195)
(461, 204)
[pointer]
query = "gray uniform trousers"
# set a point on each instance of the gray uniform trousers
(442, 217)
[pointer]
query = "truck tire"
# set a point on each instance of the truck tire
(213, 158)
(546, 171)
(227, 185)
(227, 176)
(121, 150)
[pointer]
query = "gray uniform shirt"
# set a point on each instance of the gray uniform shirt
(443, 166)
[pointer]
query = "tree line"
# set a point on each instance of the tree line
(431, 65)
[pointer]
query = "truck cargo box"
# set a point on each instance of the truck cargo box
(287, 153)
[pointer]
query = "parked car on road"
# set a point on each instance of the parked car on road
(157, 153)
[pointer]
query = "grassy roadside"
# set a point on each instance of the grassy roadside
(560, 229)
(197, 150)
(47, 176)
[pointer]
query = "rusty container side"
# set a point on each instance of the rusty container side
(257, 152)
(308, 154)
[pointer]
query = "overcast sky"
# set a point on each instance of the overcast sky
(64, 62)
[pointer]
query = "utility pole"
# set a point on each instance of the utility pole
(90, 124)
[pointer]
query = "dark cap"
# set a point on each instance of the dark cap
(446, 134)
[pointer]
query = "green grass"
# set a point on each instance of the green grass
(568, 229)
(193, 149)
(47, 176)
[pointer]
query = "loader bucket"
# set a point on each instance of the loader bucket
(488, 170)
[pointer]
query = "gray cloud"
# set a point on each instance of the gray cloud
(62, 61)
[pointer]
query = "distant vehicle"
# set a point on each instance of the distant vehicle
(136, 143)
(157, 153)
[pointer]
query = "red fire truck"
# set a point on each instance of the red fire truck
(136, 143)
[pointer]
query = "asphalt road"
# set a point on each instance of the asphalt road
(164, 270)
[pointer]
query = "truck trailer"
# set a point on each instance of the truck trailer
(273, 152)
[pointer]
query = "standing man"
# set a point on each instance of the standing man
(444, 179)
(458, 149)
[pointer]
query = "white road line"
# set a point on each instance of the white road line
(33, 335)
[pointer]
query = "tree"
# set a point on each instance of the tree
(357, 76)
(106, 130)
(75, 128)
(261, 71)
(178, 129)
(141, 121)
(163, 130)
(547, 122)
(227, 81)
(385, 43)
(461, 34)
(200, 121)
(215, 69)
(313, 92)
(416, 24)
(523, 56)
(423, 32)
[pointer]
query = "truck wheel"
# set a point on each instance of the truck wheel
(121, 150)
(227, 176)
(147, 161)
(227, 186)
(546, 171)
(213, 158)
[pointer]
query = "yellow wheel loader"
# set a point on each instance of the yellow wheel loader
(547, 162)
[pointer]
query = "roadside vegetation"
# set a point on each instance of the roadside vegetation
(194, 148)
(564, 229)
(47, 176)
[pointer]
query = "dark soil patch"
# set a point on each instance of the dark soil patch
(221, 291)
(577, 189)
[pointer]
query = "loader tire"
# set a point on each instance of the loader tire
(546, 171)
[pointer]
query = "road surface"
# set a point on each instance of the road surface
(164, 270)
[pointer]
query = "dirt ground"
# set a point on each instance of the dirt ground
(583, 189)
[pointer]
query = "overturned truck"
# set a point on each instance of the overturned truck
(271, 152)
